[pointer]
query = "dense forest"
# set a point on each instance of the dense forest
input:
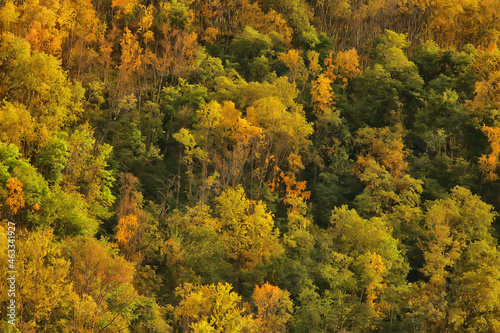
(250, 166)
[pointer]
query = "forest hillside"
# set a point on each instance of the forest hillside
(249, 166)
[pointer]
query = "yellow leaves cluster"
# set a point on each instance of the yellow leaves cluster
(147, 21)
(344, 66)
(191, 147)
(8, 14)
(274, 308)
(293, 61)
(247, 229)
(454, 21)
(486, 102)
(250, 14)
(124, 7)
(211, 308)
(376, 272)
(385, 145)
(43, 281)
(131, 58)
(348, 63)
(313, 59)
(323, 97)
(16, 124)
(240, 130)
(217, 308)
(15, 200)
(489, 163)
(210, 35)
(263, 139)
(127, 227)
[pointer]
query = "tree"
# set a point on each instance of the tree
(457, 228)
(44, 206)
(274, 308)
(384, 145)
(377, 268)
(486, 103)
(17, 124)
(87, 172)
(193, 250)
(40, 24)
(250, 14)
(294, 62)
(42, 89)
(323, 98)
(247, 230)
(211, 308)
(489, 163)
(44, 293)
(80, 48)
(103, 281)
(15, 200)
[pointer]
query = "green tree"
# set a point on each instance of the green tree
(457, 228)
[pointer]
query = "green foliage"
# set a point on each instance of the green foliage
(455, 228)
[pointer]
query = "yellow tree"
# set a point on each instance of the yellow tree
(130, 69)
(132, 219)
(103, 281)
(126, 232)
(274, 308)
(384, 145)
(15, 200)
(378, 266)
(293, 60)
(250, 14)
(460, 290)
(279, 139)
(86, 171)
(41, 23)
(124, 7)
(16, 124)
(235, 236)
(211, 308)
(45, 298)
(42, 89)
(348, 65)
(251, 148)
(191, 151)
(344, 66)
(458, 22)
(247, 230)
(85, 38)
(489, 163)
(323, 100)
(486, 103)
(313, 63)
(229, 141)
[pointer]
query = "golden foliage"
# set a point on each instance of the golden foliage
(126, 229)
(323, 97)
(385, 145)
(247, 229)
(15, 200)
(489, 163)
(250, 14)
(274, 308)
(293, 61)
(124, 7)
